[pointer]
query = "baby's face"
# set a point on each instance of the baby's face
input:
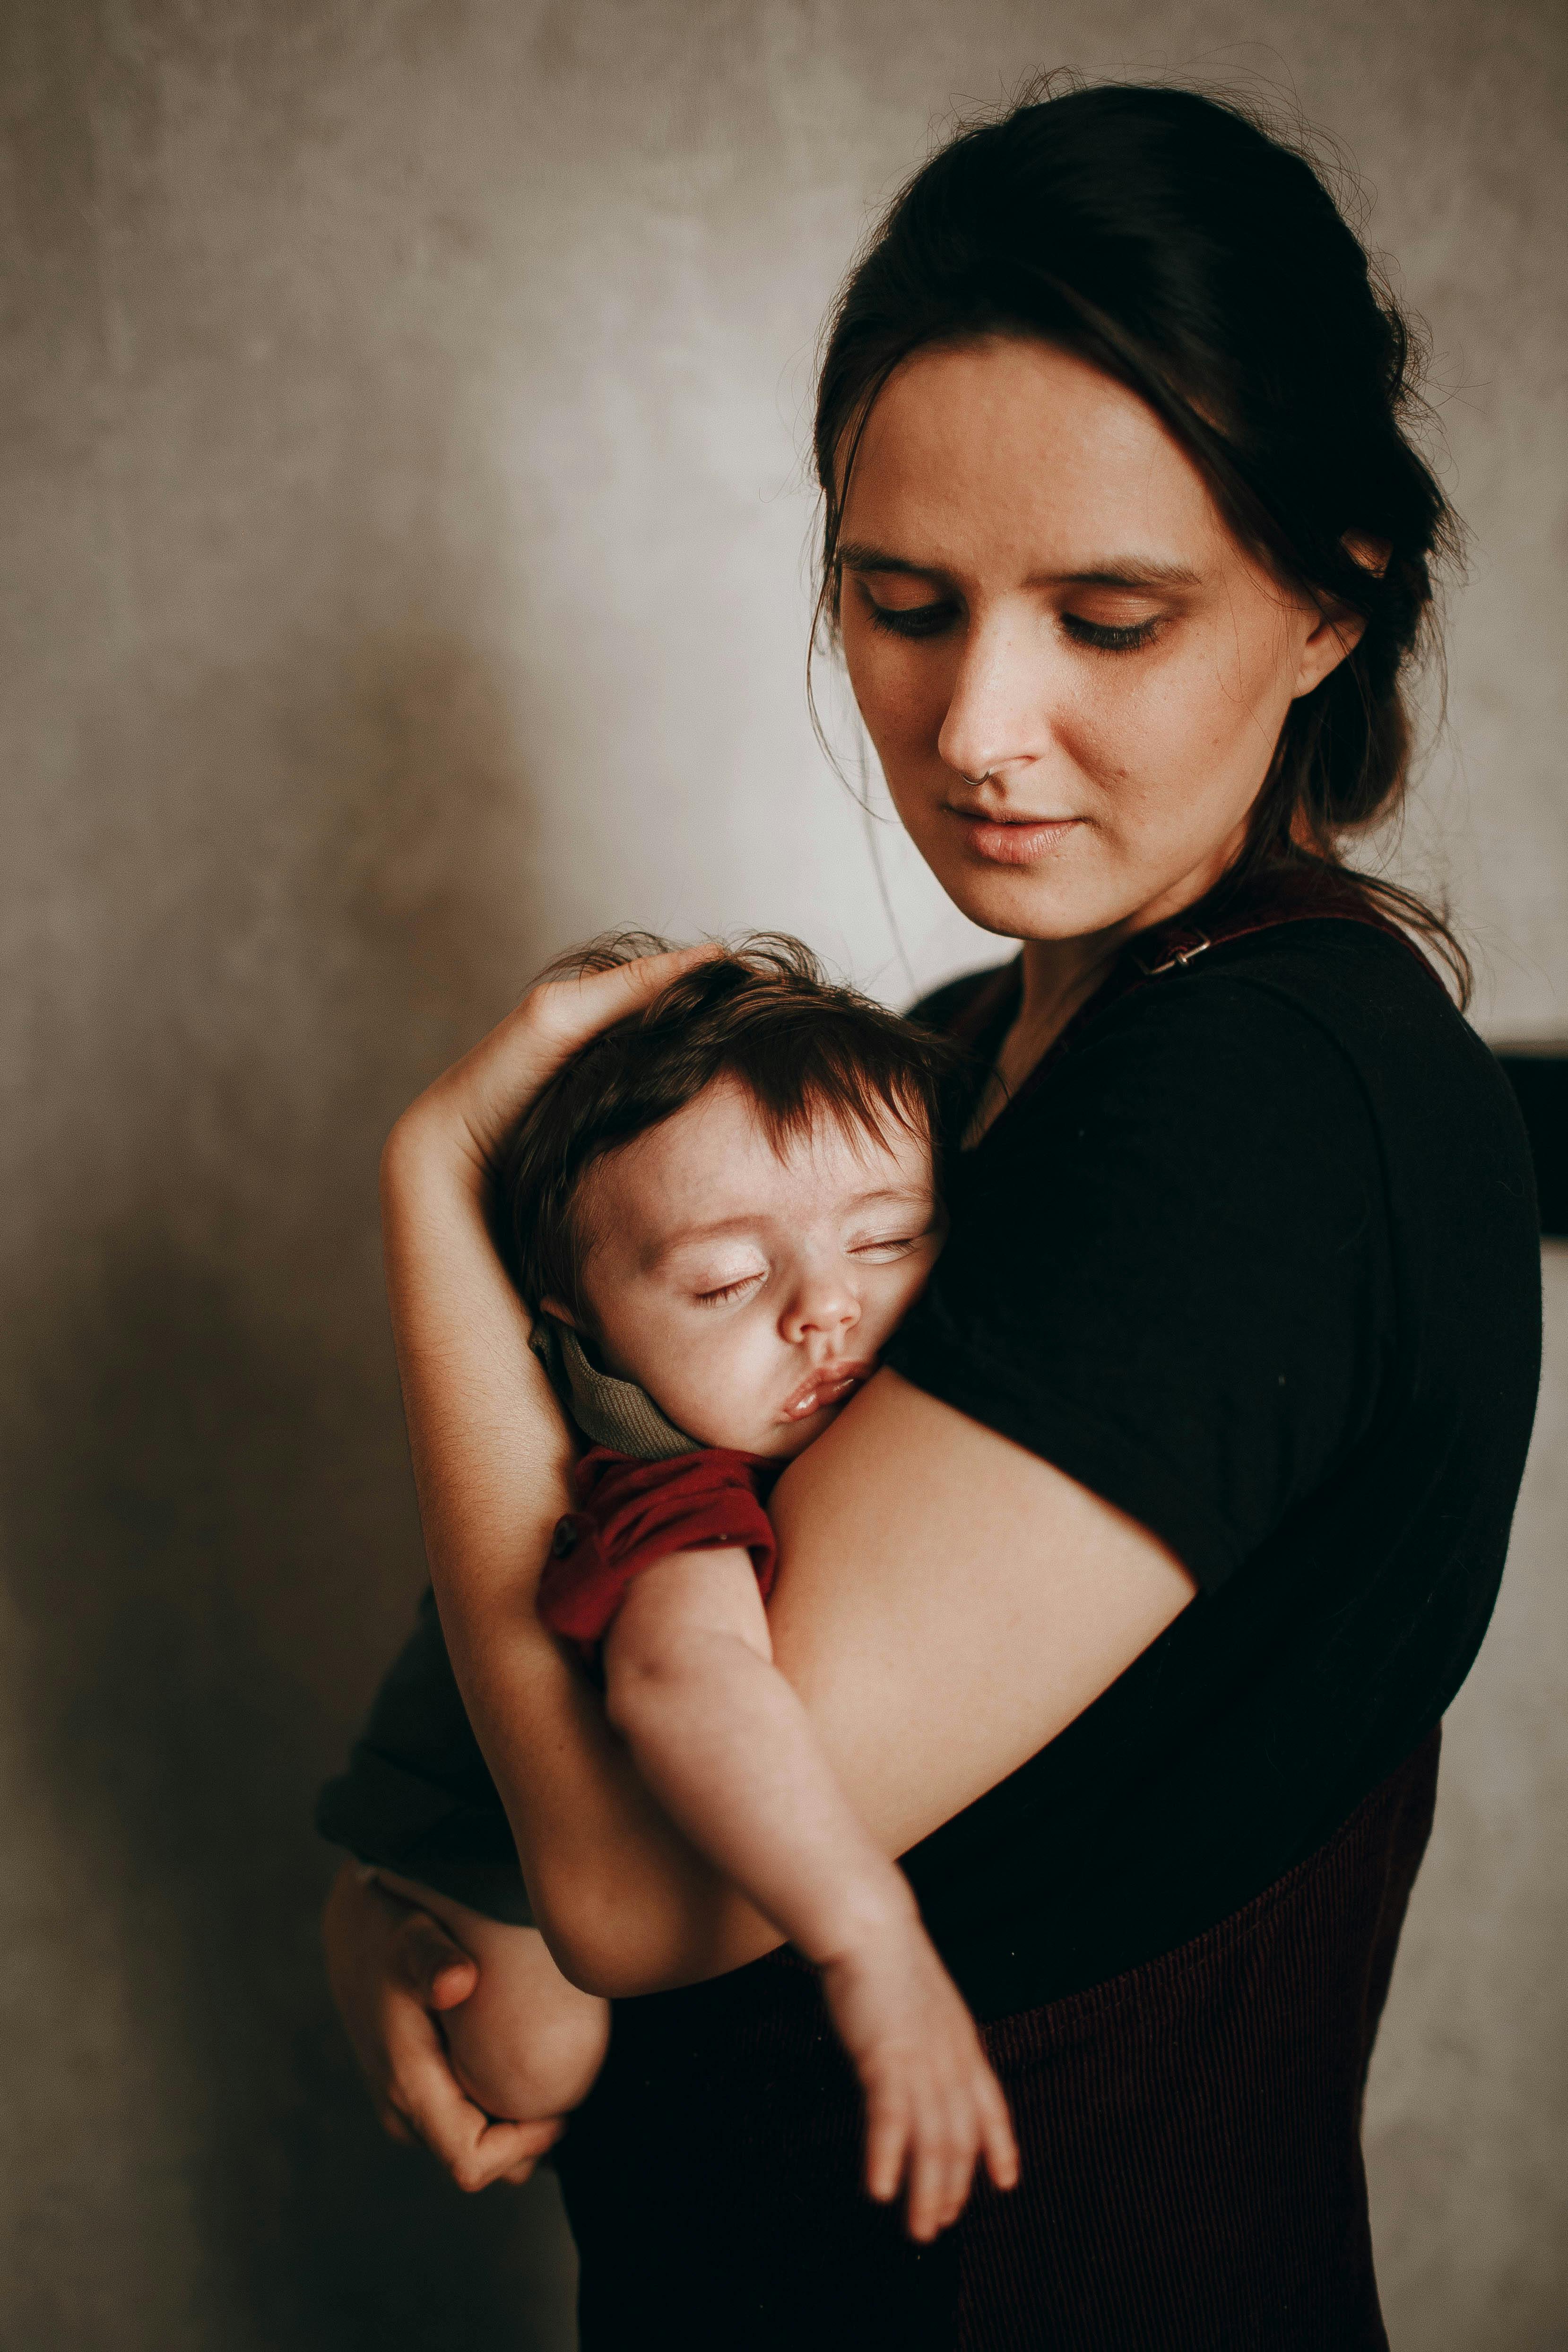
(748, 1291)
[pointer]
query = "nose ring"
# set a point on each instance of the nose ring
(978, 781)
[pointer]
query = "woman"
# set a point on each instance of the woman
(1128, 1595)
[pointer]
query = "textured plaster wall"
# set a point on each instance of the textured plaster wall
(402, 576)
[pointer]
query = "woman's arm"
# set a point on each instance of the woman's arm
(946, 1603)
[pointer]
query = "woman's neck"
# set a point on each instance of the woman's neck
(1062, 975)
(1059, 977)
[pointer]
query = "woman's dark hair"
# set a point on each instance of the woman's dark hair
(763, 1012)
(1170, 241)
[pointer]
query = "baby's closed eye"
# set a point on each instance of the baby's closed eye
(727, 1293)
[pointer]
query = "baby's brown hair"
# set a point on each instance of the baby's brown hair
(763, 1012)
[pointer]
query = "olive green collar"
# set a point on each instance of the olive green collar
(611, 1412)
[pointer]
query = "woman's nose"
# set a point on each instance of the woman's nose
(823, 1306)
(998, 714)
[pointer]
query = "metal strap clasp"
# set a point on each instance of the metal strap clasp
(1185, 946)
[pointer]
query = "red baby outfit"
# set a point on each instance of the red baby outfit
(632, 1513)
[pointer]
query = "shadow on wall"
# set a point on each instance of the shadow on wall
(212, 1547)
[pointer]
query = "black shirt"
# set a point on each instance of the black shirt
(1255, 1258)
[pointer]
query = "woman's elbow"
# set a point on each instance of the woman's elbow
(604, 1940)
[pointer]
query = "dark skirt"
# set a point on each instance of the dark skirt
(1190, 2134)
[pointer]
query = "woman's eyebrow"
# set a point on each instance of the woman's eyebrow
(1123, 571)
(1111, 572)
(854, 556)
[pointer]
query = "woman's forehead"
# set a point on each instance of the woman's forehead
(1013, 448)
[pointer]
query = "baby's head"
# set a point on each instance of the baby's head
(730, 1196)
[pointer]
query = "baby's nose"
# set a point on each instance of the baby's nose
(825, 1304)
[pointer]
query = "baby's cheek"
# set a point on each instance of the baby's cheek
(912, 1280)
(722, 1388)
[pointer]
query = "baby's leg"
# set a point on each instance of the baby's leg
(725, 1745)
(525, 2045)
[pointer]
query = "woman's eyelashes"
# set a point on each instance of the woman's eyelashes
(932, 620)
(1108, 636)
(912, 620)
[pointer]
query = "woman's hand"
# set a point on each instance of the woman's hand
(392, 1970)
(465, 1119)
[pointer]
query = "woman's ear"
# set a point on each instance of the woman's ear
(1336, 632)
(1340, 627)
(561, 1313)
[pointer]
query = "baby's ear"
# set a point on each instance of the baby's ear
(561, 1313)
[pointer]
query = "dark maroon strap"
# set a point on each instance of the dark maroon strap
(1264, 905)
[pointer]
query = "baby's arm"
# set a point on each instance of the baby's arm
(525, 2045)
(726, 1747)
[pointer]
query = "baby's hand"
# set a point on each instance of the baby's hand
(932, 2104)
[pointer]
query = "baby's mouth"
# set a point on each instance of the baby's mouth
(830, 1384)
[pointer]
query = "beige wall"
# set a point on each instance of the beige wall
(402, 576)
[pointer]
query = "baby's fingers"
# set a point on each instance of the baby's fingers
(1001, 2147)
(886, 2144)
(940, 2172)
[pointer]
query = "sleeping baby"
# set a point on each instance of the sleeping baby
(721, 1209)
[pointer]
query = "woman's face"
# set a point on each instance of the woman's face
(1074, 676)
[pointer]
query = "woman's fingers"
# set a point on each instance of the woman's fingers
(480, 1100)
(426, 2098)
(573, 1010)
(390, 1967)
(429, 1965)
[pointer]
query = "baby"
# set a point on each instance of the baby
(721, 1207)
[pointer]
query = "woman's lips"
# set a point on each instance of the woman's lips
(1013, 841)
(830, 1384)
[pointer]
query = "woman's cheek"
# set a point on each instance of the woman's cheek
(1152, 747)
(901, 693)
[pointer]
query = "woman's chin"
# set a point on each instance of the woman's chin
(1023, 902)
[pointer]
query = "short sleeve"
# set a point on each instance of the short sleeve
(1169, 1271)
(635, 1513)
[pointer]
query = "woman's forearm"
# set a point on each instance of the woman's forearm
(624, 1902)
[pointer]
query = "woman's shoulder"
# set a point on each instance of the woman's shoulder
(1316, 1061)
(1319, 1008)
(1286, 1013)
(1309, 1035)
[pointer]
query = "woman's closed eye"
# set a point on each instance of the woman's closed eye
(1110, 636)
(930, 620)
(912, 620)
